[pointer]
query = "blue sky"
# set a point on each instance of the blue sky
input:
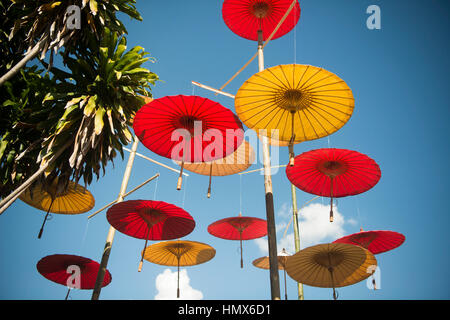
(399, 77)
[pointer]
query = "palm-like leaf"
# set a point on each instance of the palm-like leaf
(47, 28)
(96, 107)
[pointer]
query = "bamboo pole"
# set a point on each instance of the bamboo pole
(125, 195)
(111, 232)
(271, 231)
(212, 89)
(156, 162)
(296, 235)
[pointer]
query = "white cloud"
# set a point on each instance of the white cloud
(314, 227)
(166, 284)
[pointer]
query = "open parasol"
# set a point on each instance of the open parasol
(294, 103)
(150, 220)
(263, 263)
(179, 253)
(333, 173)
(331, 265)
(246, 17)
(59, 268)
(75, 199)
(376, 242)
(239, 228)
(236, 162)
(208, 131)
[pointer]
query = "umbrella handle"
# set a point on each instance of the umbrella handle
(242, 260)
(45, 220)
(143, 251)
(291, 143)
(179, 182)
(180, 178)
(331, 201)
(68, 292)
(210, 178)
(178, 279)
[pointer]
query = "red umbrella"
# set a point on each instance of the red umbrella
(333, 173)
(59, 268)
(375, 241)
(207, 130)
(239, 228)
(246, 17)
(150, 220)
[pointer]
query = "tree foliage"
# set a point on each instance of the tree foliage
(83, 108)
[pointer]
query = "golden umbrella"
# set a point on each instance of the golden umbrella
(331, 265)
(238, 161)
(294, 103)
(263, 263)
(179, 253)
(75, 199)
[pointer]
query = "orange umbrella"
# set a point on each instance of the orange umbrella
(236, 162)
(331, 265)
(263, 263)
(179, 253)
(73, 200)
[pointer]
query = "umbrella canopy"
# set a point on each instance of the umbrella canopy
(239, 228)
(294, 103)
(378, 241)
(263, 263)
(57, 268)
(331, 265)
(238, 161)
(333, 173)
(75, 199)
(150, 220)
(246, 17)
(179, 253)
(207, 130)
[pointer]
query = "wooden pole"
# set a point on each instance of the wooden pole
(296, 234)
(111, 232)
(271, 231)
(125, 195)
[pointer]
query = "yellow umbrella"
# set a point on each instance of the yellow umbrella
(238, 161)
(179, 253)
(263, 263)
(74, 200)
(299, 102)
(331, 265)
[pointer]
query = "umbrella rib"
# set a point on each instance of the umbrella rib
(330, 75)
(283, 85)
(303, 86)
(310, 123)
(276, 85)
(299, 83)
(285, 77)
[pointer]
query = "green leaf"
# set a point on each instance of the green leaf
(99, 120)
(90, 106)
(93, 6)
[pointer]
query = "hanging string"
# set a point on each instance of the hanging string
(240, 193)
(359, 215)
(295, 35)
(156, 188)
(83, 240)
(184, 191)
